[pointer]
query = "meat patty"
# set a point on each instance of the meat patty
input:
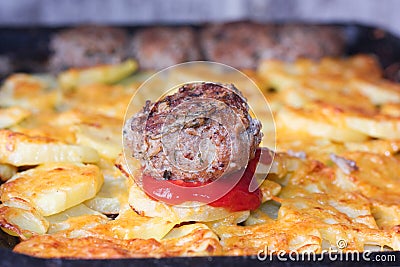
(244, 44)
(86, 46)
(309, 41)
(161, 47)
(196, 135)
(237, 44)
(6, 66)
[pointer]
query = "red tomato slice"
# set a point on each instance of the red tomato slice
(237, 198)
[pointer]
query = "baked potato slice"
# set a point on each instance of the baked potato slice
(53, 187)
(105, 74)
(19, 149)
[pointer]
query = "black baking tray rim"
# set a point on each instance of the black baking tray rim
(11, 259)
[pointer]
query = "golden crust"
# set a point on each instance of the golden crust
(107, 74)
(48, 246)
(19, 218)
(28, 91)
(197, 243)
(20, 149)
(303, 224)
(377, 179)
(54, 187)
(335, 176)
(101, 99)
(12, 115)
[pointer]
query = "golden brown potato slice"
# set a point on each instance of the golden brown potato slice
(12, 115)
(31, 92)
(107, 100)
(382, 147)
(378, 126)
(54, 187)
(44, 126)
(199, 242)
(249, 240)
(53, 246)
(390, 109)
(102, 133)
(305, 223)
(379, 92)
(18, 217)
(111, 197)
(79, 217)
(99, 74)
(147, 206)
(129, 225)
(329, 72)
(7, 171)
(345, 217)
(19, 149)
(376, 177)
(317, 123)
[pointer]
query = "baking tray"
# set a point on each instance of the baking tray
(28, 48)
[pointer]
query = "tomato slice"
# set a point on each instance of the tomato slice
(238, 198)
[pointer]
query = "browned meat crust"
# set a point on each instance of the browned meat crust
(314, 42)
(161, 47)
(244, 44)
(86, 46)
(197, 134)
(238, 44)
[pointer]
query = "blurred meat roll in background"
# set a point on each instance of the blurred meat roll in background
(238, 44)
(87, 46)
(161, 47)
(244, 44)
